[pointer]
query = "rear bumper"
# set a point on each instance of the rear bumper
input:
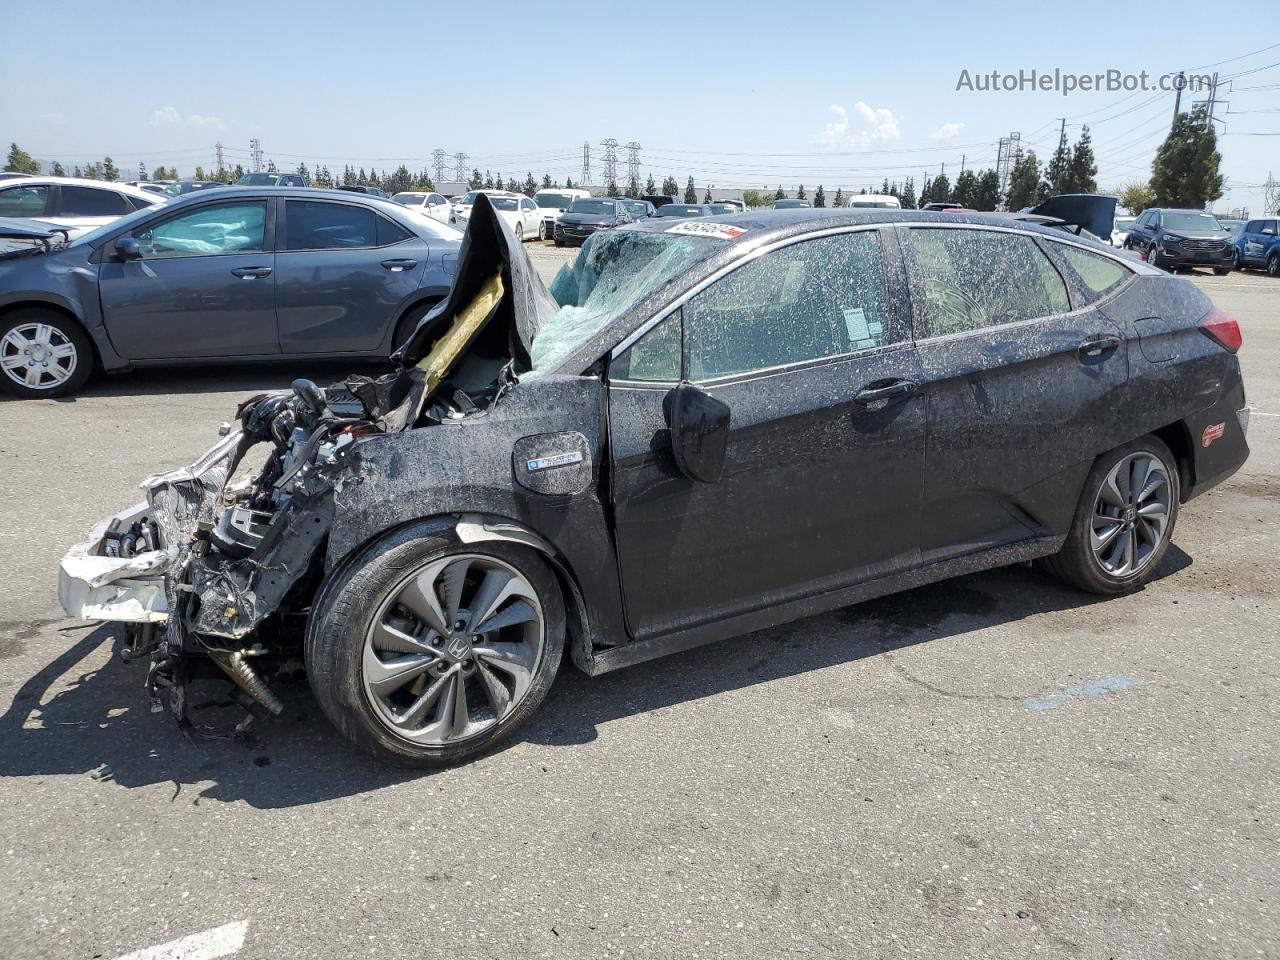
(1219, 441)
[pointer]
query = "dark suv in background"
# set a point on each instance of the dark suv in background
(1182, 238)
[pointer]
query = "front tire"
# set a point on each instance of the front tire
(519, 233)
(1124, 521)
(542, 230)
(43, 353)
(425, 652)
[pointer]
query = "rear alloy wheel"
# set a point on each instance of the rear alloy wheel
(43, 353)
(1124, 521)
(428, 652)
(519, 233)
(542, 230)
(1273, 265)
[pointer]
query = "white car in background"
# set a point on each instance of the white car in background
(873, 201)
(552, 203)
(1121, 230)
(433, 205)
(515, 208)
(68, 202)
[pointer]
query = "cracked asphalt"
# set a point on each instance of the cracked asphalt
(995, 766)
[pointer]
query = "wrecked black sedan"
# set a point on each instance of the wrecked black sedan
(701, 429)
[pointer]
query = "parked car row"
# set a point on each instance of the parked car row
(1176, 239)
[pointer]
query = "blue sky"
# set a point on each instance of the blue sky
(739, 94)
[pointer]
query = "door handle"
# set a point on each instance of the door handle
(892, 391)
(396, 266)
(251, 273)
(1097, 346)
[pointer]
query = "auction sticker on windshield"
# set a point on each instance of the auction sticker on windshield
(721, 231)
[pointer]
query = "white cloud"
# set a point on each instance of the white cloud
(946, 131)
(170, 117)
(868, 124)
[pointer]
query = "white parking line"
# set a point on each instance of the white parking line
(1259, 413)
(218, 942)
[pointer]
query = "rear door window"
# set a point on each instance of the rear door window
(972, 279)
(318, 225)
(23, 201)
(91, 202)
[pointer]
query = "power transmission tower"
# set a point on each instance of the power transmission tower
(460, 170)
(610, 160)
(438, 158)
(1271, 196)
(1007, 156)
(218, 154)
(586, 164)
(633, 162)
(255, 154)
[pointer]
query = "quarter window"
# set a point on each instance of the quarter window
(1099, 275)
(655, 356)
(23, 201)
(208, 231)
(813, 299)
(389, 233)
(977, 278)
(316, 225)
(91, 202)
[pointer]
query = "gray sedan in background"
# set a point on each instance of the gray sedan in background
(243, 273)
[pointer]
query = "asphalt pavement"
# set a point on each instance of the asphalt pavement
(996, 766)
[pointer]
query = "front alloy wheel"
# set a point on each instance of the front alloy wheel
(425, 651)
(542, 230)
(452, 651)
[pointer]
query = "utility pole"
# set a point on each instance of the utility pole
(218, 153)
(460, 159)
(1177, 97)
(438, 159)
(586, 163)
(255, 154)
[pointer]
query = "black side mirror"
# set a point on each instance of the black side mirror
(127, 248)
(699, 432)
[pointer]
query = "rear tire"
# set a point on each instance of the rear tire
(1127, 509)
(43, 354)
(542, 230)
(519, 233)
(1273, 265)
(383, 714)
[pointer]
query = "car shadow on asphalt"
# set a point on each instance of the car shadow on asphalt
(98, 723)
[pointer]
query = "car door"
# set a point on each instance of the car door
(1258, 237)
(808, 345)
(204, 286)
(344, 272)
(1023, 387)
(528, 218)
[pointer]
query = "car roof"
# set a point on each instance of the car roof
(81, 182)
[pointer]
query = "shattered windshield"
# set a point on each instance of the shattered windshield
(614, 271)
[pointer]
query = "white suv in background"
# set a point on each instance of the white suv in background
(68, 202)
(552, 202)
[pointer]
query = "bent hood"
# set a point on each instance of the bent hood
(1090, 211)
(488, 248)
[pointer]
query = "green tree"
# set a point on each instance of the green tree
(1055, 174)
(1185, 171)
(706, 197)
(965, 189)
(109, 170)
(199, 174)
(884, 188)
(546, 181)
(908, 198)
(838, 199)
(78, 173)
(398, 181)
(58, 170)
(819, 197)
(690, 194)
(530, 184)
(303, 172)
(649, 188)
(1025, 187)
(670, 188)
(779, 194)
(272, 168)
(1082, 169)
(93, 171)
(800, 192)
(940, 189)
(19, 161)
(1136, 196)
(986, 191)
(142, 170)
(239, 172)
(476, 181)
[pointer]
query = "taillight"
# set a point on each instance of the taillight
(1223, 330)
